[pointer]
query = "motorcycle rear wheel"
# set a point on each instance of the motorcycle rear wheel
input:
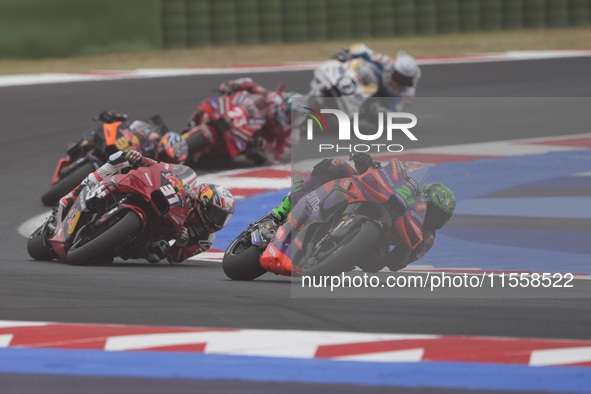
(357, 246)
(66, 184)
(241, 261)
(94, 250)
(196, 142)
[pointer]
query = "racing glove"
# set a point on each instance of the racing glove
(134, 158)
(225, 89)
(363, 162)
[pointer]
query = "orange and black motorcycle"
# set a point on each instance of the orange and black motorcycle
(339, 225)
(95, 146)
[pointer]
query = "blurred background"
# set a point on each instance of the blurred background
(101, 35)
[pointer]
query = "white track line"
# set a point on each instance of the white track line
(560, 356)
(49, 78)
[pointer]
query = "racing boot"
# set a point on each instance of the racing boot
(280, 213)
(275, 218)
(157, 250)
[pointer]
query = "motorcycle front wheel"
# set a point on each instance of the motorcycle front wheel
(241, 260)
(101, 248)
(333, 259)
(37, 246)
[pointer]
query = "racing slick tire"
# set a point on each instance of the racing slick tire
(196, 143)
(354, 247)
(66, 184)
(93, 251)
(241, 262)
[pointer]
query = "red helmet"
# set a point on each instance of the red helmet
(215, 205)
(172, 148)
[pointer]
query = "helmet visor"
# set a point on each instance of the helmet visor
(217, 216)
(401, 80)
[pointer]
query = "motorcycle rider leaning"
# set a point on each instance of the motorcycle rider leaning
(143, 137)
(440, 201)
(211, 207)
(277, 108)
(397, 77)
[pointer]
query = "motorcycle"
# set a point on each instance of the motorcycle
(230, 126)
(339, 225)
(92, 150)
(118, 217)
(354, 81)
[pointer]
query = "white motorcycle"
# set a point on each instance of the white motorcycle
(354, 81)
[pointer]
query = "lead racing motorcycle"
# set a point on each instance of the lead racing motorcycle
(339, 225)
(353, 81)
(117, 218)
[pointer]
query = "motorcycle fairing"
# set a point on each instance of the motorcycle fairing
(160, 186)
(110, 130)
(381, 187)
(64, 161)
(276, 260)
(244, 118)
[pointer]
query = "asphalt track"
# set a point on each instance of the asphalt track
(38, 121)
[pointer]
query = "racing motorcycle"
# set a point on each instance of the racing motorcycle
(339, 225)
(355, 80)
(92, 150)
(230, 126)
(118, 217)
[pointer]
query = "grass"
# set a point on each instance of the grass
(443, 45)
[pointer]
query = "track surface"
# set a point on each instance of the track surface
(38, 121)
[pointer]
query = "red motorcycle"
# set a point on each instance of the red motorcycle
(118, 217)
(226, 127)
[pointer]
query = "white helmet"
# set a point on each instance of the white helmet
(406, 70)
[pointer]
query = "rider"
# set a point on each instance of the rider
(397, 77)
(143, 137)
(276, 109)
(440, 201)
(210, 208)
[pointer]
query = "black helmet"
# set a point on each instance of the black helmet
(441, 203)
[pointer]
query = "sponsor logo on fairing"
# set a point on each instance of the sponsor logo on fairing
(313, 201)
(254, 237)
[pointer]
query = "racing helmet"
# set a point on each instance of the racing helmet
(283, 111)
(172, 148)
(405, 70)
(441, 203)
(214, 204)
